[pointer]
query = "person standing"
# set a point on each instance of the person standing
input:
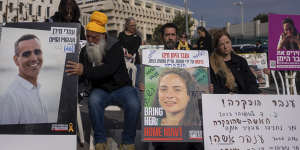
(68, 12)
(205, 41)
(131, 41)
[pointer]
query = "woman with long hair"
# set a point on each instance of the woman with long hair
(290, 38)
(177, 95)
(205, 41)
(229, 72)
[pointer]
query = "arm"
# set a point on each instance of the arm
(112, 61)
(218, 84)
(9, 112)
(250, 79)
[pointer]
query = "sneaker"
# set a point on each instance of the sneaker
(101, 146)
(127, 147)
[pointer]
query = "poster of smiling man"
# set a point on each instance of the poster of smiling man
(174, 82)
(36, 95)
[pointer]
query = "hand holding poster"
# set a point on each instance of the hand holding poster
(254, 122)
(257, 63)
(174, 82)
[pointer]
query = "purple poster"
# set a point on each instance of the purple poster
(284, 42)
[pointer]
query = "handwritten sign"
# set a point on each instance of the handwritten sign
(175, 58)
(63, 38)
(251, 122)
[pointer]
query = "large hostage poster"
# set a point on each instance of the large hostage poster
(257, 63)
(174, 82)
(37, 98)
(251, 122)
(284, 42)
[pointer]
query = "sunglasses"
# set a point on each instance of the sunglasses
(28, 53)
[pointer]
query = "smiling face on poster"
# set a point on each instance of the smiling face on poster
(32, 80)
(174, 82)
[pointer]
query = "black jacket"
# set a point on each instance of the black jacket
(109, 76)
(244, 78)
(205, 43)
(132, 44)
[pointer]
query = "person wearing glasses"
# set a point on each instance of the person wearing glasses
(21, 103)
(183, 43)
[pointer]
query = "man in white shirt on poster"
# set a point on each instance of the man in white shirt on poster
(21, 102)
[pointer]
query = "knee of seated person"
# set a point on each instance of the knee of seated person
(134, 106)
(95, 100)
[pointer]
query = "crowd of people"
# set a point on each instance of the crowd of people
(105, 63)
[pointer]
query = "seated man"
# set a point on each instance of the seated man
(105, 69)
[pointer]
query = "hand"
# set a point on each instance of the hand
(141, 87)
(75, 68)
(267, 71)
(128, 55)
(283, 41)
(211, 88)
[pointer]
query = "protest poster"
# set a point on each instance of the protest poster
(257, 62)
(174, 82)
(284, 42)
(37, 98)
(250, 122)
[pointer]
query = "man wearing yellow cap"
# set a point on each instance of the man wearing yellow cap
(104, 67)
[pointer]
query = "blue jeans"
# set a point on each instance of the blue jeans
(126, 97)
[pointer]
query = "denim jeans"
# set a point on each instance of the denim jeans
(126, 97)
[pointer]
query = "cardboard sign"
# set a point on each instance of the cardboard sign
(37, 98)
(172, 97)
(250, 122)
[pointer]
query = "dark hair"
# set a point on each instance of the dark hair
(75, 10)
(183, 34)
(127, 21)
(24, 38)
(291, 22)
(192, 112)
(167, 25)
(201, 28)
(218, 35)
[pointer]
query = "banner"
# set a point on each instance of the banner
(250, 122)
(172, 96)
(37, 98)
(284, 42)
(257, 62)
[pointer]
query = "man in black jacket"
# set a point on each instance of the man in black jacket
(107, 72)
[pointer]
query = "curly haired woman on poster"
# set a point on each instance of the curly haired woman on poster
(176, 94)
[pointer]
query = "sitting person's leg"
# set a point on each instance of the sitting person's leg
(98, 100)
(128, 99)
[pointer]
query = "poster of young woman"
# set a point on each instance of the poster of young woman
(284, 42)
(174, 82)
(37, 98)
